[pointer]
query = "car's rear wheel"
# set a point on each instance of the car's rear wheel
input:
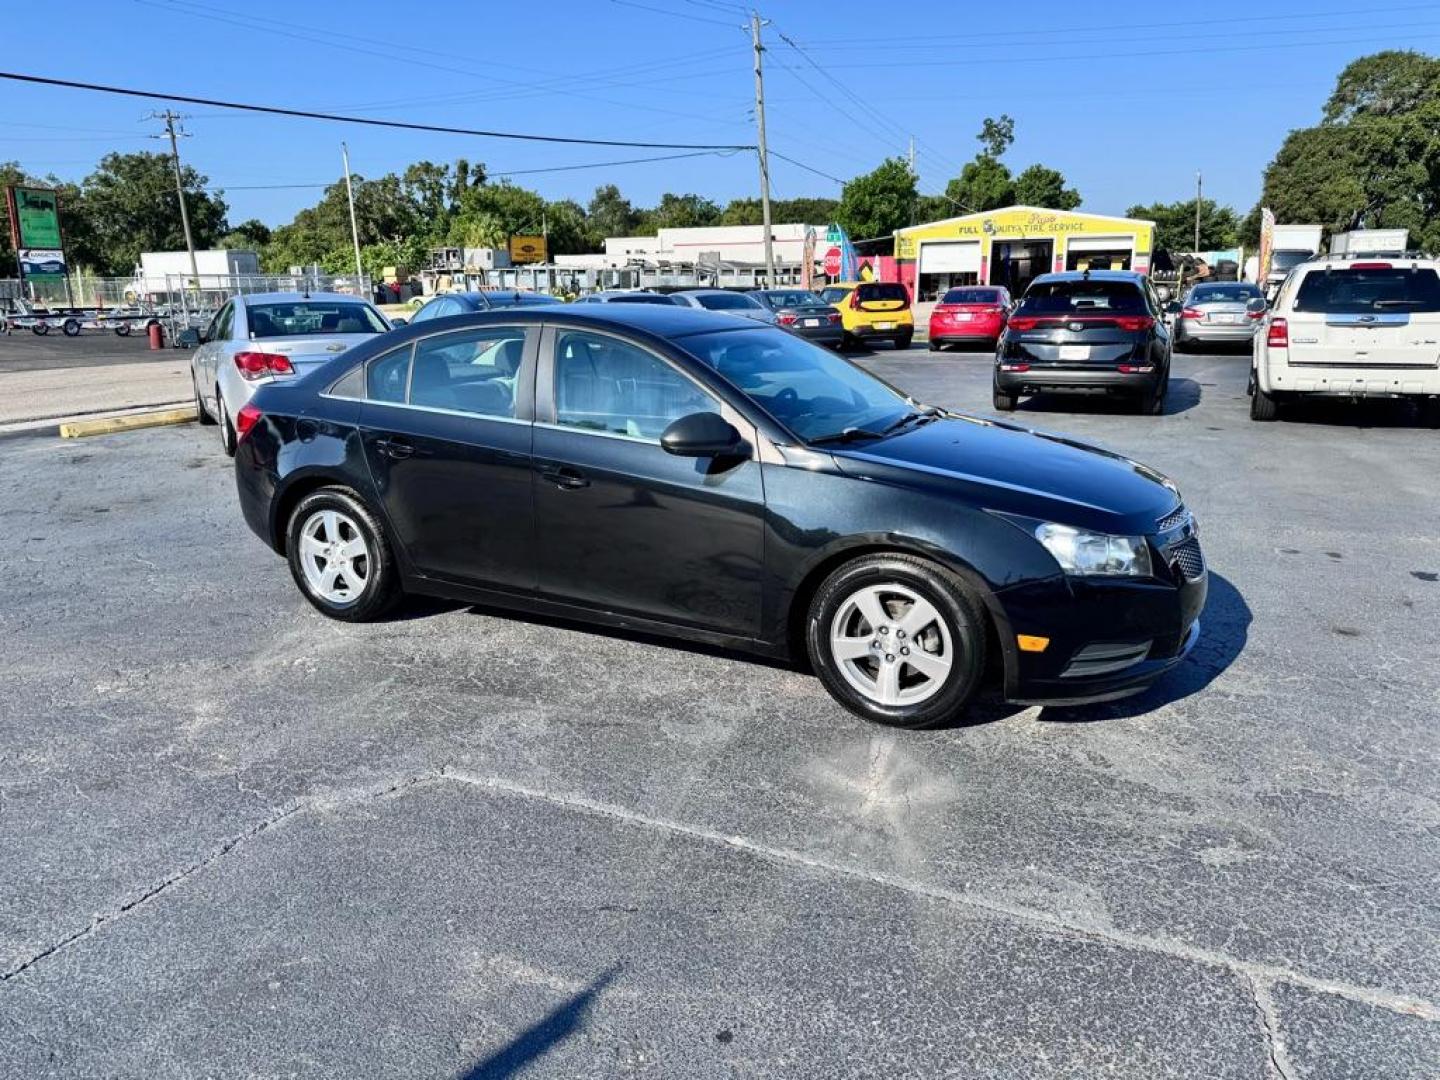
(1004, 401)
(897, 640)
(1152, 403)
(848, 341)
(935, 346)
(339, 557)
(1263, 406)
(902, 341)
(227, 429)
(205, 419)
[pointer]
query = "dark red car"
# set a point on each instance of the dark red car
(970, 315)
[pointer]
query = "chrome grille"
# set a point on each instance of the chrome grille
(1186, 555)
(1178, 516)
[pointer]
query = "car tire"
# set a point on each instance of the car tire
(123, 330)
(40, 328)
(227, 429)
(1005, 402)
(903, 341)
(70, 328)
(1264, 407)
(947, 628)
(204, 418)
(357, 587)
(935, 346)
(848, 341)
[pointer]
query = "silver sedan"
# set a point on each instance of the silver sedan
(262, 337)
(1218, 313)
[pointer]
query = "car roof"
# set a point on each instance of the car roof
(660, 320)
(1134, 277)
(297, 297)
(708, 292)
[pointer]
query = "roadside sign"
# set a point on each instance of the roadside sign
(527, 249)
(834, 235)
(832, 262)
(36, 218)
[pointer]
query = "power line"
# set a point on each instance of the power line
(807, 168)
(672, 14)
(337, 118)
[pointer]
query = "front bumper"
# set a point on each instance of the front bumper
(1076, 614)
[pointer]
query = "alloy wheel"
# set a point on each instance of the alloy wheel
(334, 557)
(891, 644)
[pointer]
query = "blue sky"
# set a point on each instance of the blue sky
(1128, 99)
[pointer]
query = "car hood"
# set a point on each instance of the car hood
(1016, 470)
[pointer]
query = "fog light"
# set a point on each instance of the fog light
(1031, 643)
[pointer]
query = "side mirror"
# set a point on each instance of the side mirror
(1174, 307)
(189, 338)
(398, 320)
(1257, 306)
(701, 434)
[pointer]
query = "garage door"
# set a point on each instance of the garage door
(1100, 243)
(950, 257)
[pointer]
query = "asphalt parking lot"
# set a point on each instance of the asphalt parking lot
(238, 839)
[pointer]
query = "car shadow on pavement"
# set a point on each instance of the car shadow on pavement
(539, 1038)
(1366, 413)
(1183, 395)
(1224, 630)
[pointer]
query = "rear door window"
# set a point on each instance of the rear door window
(1083, 297)
(1359, 290)
(387, 377)
(972, 296)
(470, 372)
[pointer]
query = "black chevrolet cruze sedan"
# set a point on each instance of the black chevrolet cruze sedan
(1095, 330)
(692, 474)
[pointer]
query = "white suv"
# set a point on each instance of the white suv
(1353, 328)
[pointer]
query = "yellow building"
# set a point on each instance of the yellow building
(1013, 245)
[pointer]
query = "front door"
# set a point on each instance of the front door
(447, 431)
(622, 525)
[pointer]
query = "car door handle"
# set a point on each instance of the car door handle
(396, 449)
(565, 477)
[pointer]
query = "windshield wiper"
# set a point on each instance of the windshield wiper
(850, 434)
(926, 413)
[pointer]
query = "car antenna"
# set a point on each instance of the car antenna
(1086, 275)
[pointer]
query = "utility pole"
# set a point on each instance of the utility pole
(1197, 211)
(755, 25)
(170, 117)
(912, 153)
(354, 229)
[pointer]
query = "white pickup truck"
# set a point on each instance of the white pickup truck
(1351, 328)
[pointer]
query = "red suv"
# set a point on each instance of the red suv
(974, 314)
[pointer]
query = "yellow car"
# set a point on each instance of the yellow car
(872, 309)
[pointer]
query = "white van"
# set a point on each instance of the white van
(1352, 328)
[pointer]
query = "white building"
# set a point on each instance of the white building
(730, 243)
(156, 266)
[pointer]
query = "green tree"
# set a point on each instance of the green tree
(610, 214)
(983, 184)
(746, 212)
(806, 211)
(130, 205)
(250, 235)
(1374, 160)
(688, 211)
(997, 136)
(1042, 186)
(1175, 224)
(879, 202)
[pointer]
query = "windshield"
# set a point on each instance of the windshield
(1356, 290)
(726, 301)
(1078, 297)
(1288, 260)
(971, 296)
(834, 294)
(640, 298)
(810, 390)
(1224, 294)
(300, 317)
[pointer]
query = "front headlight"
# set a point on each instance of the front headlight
(1087, 553)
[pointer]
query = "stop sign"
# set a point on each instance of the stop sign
(832, 262)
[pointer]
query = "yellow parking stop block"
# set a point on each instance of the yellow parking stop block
(107, 425)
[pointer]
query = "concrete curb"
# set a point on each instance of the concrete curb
(107, 425)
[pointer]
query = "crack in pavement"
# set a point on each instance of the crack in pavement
(1279, 1066)
(1259, 977)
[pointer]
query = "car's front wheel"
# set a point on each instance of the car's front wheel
(897, 640)
(339, 557)
(205, 419)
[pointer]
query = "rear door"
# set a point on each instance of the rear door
(447, 427)
(1366, 315)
